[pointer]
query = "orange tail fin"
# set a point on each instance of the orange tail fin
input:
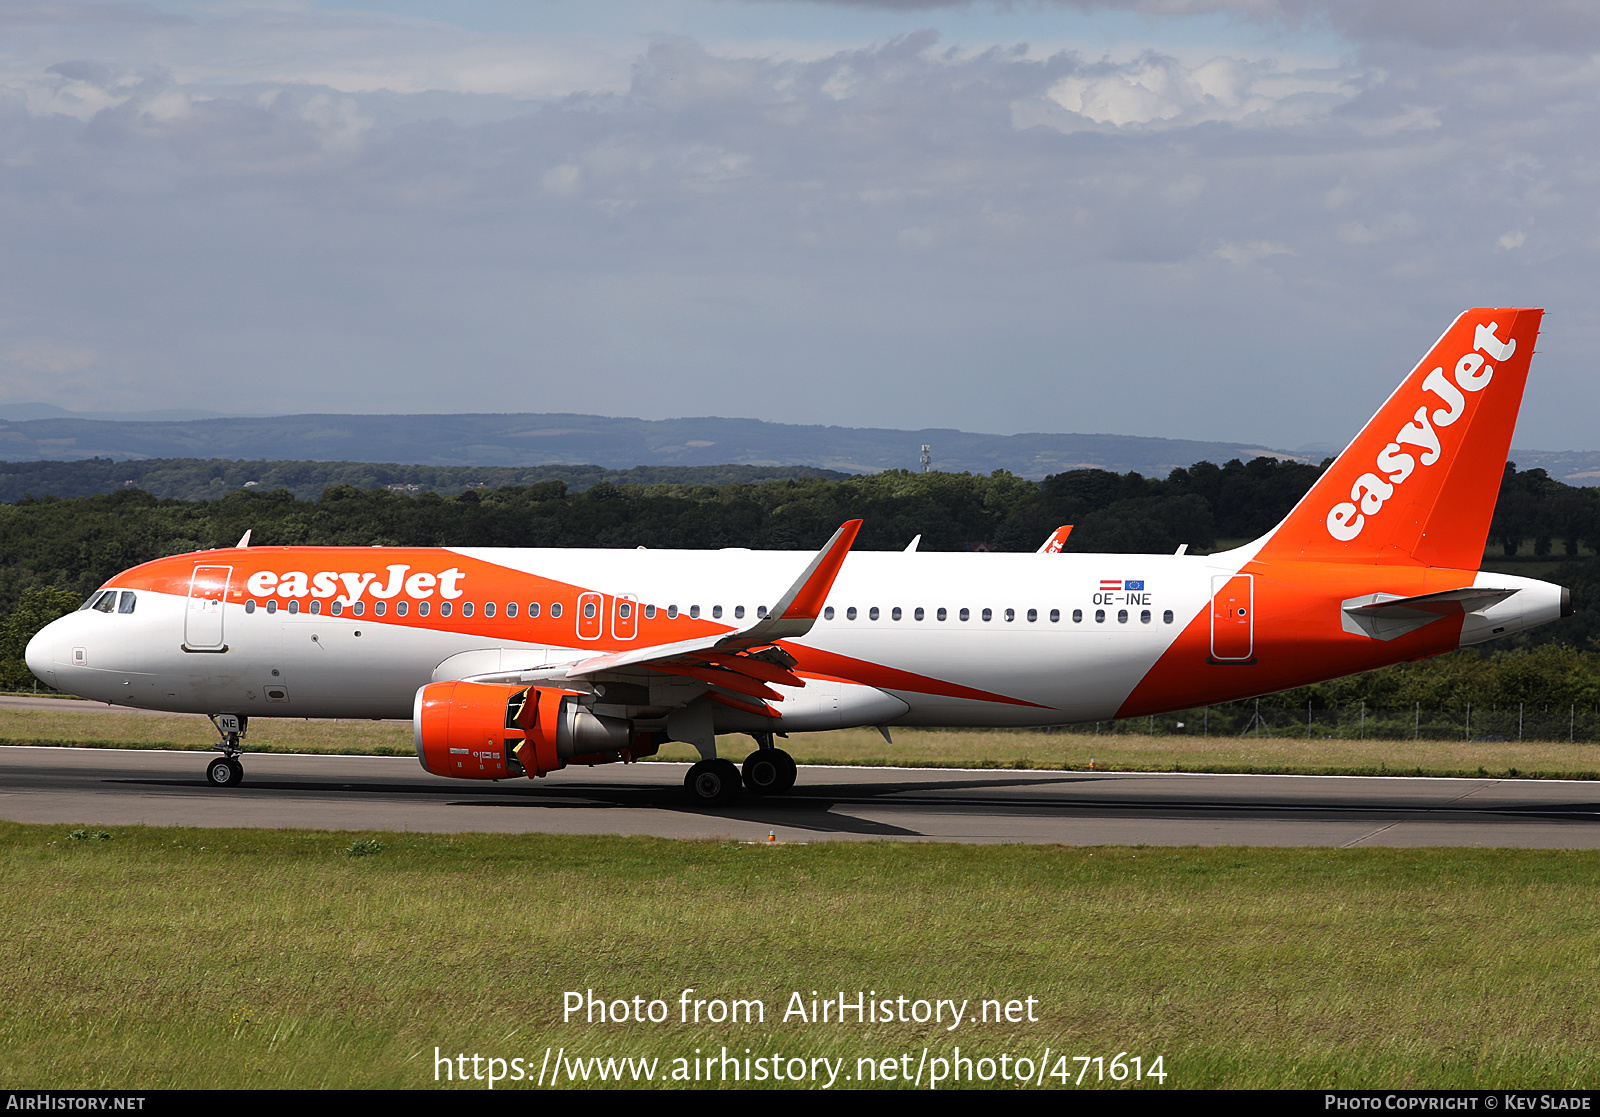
(1418, 485)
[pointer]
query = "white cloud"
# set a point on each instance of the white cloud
(292, 209)
(1158, 90)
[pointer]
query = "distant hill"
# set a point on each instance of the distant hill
(530, 440)
(1573, 467)
(197, 479)
(39, 432)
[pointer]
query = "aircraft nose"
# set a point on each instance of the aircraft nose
(40, 655)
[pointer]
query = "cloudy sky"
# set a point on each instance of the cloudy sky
(1215, 219)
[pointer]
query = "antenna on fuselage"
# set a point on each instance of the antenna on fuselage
(244, 540)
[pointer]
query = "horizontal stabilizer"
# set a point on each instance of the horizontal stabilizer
(1384, 616)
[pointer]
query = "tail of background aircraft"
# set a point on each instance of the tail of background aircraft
(1418, 485)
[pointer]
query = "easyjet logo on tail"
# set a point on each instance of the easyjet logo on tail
(1394, 464)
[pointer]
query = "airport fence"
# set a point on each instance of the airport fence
(1260, 718)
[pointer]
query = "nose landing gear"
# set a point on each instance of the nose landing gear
(225, 770)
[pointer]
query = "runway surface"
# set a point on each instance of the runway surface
(115, 787)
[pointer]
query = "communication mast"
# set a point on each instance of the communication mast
(927, 457)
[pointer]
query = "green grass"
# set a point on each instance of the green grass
(174, 958)
(1000, 748)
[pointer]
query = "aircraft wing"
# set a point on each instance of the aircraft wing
(738, 665)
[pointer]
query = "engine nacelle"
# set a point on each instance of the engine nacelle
(484, 731)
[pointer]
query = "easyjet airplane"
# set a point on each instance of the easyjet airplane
(520, 662)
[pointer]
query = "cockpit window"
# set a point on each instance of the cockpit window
(127, 602)
(94, 599)
(106, 602)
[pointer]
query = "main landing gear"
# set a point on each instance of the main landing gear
(767, 771)
(712, 783)
(225, 770)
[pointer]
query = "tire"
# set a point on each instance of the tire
(763, 773)
(712, 783)
(789, 771)
(224, 772)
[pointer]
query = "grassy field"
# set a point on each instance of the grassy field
(155, 958)
(911, 748)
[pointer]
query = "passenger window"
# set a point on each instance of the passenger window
(127, 602)
(1144, 617)
(316, 608)
(761, 611)
(850, 613)
(336, 608)
(716, 612)
(555, 610)
(533, 609)
(1033, 615)
(1055, 616)
(942, 614)
(400, 609)
(894, 614)
(467, 609)
(423, 608)
(872, 613)
(379, 608)
(588, 610)
(672, 612)
(966, 614)
(250, 605)
(738, 612)
(1077, 616)
(827, 614)
(1099, 616)
(988, 614)
(511, 608)
(918, 614)
(649, 612)
(1122, 616)
(359, 608)
(294, 607)
(488, 608)
(272, 606)
(694, 612)
(445, 608)
(1011, 615)
(1166, 618)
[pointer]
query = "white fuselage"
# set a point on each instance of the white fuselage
(1029, 639)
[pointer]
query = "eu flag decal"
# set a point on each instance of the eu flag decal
(1134, 586)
